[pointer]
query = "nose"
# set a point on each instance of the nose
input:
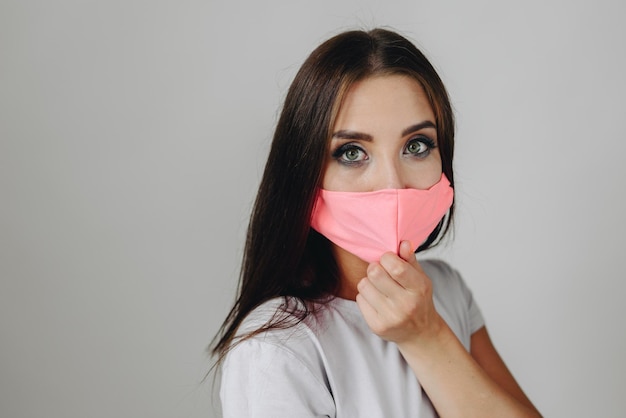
(391, 176)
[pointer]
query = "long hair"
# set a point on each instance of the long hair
(283, 256)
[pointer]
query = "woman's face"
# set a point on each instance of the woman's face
(384, 137)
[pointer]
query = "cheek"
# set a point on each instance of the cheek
(328, 177)
(425, 175)
(339, 178)
(336, 179)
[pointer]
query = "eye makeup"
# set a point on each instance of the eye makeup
(349, 154)
(421, 141)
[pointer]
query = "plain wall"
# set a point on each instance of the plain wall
(133, 135)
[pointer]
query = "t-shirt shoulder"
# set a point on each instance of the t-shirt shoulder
(263, 379)
(282, 365)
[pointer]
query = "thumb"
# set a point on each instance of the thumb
(406, 253)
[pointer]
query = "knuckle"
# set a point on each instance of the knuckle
(386, 257)
(374, 269)
(397, 270)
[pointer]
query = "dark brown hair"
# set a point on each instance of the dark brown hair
(283, 256)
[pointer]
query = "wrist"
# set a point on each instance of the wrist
(429, 345)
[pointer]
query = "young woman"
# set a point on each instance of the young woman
(335, 316)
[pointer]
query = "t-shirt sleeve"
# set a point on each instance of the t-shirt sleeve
(454, 300)
(476, 319)
(263, 379)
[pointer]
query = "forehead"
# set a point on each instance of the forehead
(383, 101)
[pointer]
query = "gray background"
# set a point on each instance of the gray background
(133, 135)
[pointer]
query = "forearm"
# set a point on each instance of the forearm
(455, 383)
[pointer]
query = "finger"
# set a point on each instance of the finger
(370, 314)
(381, 280)
(374, 297)
(367, 310)
(401, 271)
(405, 251)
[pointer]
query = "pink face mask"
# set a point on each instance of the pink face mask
(368, 224)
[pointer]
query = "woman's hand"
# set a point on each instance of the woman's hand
(396, 299)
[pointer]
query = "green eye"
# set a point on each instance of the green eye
(352, 154)
(416, 147)
(419, 146)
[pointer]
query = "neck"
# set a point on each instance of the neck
(351, 270)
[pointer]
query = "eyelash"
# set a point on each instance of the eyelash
(430, 144)
(340, 151)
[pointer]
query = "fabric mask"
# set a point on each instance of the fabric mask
(369, 224)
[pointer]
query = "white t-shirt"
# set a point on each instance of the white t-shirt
(332, 365)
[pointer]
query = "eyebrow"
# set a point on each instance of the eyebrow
(418, 126)
(347, 134)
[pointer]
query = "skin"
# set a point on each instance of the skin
(385, 138)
